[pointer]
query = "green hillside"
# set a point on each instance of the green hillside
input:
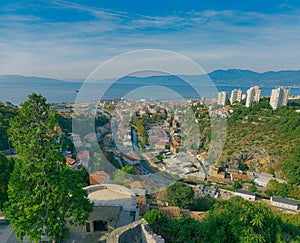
(260, 139)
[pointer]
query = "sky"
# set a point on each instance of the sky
(69, 39)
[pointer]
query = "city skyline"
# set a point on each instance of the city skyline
(67, 40)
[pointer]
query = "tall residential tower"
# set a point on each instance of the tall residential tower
(222, 98)
(236, 95)
(253, 94)
(279, 97)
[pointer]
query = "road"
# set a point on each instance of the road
(143, 162)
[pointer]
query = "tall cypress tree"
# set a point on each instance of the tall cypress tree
(44, 195)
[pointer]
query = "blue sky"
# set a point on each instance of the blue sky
(68, 39)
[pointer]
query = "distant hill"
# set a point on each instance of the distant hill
(15, 88)
(29, 80)
(231, 77)
(248, 78)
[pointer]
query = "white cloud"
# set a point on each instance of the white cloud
(216, 39)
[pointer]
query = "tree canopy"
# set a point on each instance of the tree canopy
(44, 195)
(5, 170)
(235, 220)
(129, 169)
(7, 111)
(181, 195)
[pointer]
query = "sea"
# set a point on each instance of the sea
(70, 91)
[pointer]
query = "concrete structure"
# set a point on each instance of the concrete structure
(114, 207)
(284, 204)
(253, 94)
(138, 231)
(250, 196)
(263, 179)
(279, 97)
(222, 98)
(236, 95)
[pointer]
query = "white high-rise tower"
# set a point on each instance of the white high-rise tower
(253, 94)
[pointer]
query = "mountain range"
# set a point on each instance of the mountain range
(230, 77)
(16, 88)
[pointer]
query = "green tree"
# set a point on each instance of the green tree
(5, 170)
(129, 170)
(44, 195)
(291, 167)
(155, 218)
(252, 188)
(181, 195)
(236, 185)
(7, 111)
(274, 188)
(237, 220)
(203, 204)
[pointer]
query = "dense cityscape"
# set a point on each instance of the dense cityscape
(140, 148)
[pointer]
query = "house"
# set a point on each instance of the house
(198, 190)
(211, 191)
(250, 196)
(235, 177)
(130, 158)
(284, 204)
(197, 176)
(263, 179)
(114, 206)
(70, 161)
(217, 179)
(99, 177)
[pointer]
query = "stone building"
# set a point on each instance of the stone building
(138, 231)
(114, 207)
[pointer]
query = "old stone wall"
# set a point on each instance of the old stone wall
(136, 232)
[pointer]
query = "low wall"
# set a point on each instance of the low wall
(136, 232)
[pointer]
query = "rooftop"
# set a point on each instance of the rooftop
(285, 201)
(245, 192)
(111, 195)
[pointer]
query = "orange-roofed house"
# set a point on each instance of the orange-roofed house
(70, 161)
(235, 177)
(99, 177)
